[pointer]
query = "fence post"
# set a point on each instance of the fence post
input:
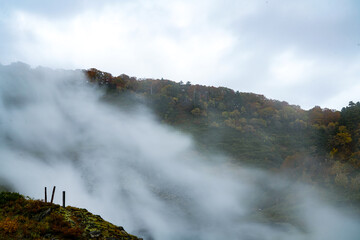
(63, 198)
(45, 195)
(52, 196)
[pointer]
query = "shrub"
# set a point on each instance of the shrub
(9, 225)
(6, 197)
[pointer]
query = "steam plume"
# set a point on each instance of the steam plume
(135, 172)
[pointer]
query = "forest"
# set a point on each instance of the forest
(319, 146)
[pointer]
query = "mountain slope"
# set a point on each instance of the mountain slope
(318, 146)
(22, 218)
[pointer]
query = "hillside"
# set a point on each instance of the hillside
(22, 218)
(143, 153)
(318, 146)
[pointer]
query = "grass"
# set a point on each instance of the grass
(23, 218)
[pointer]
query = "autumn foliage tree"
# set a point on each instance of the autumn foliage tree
(251, 128)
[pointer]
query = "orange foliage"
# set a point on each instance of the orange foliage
(9, 225)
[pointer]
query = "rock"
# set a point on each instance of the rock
(43, 214)
(95, 234)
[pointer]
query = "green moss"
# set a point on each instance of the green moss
(93, 225)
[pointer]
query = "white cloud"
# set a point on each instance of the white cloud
(285, 50)
(112, 40)
(288, 69)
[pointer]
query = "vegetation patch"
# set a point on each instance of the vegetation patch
(317, 146)
(22, 218)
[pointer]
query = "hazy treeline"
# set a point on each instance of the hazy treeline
(319, 146)
(113, 157)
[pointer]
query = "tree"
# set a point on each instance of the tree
(341, 143)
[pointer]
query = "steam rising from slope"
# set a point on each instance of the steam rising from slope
(54, 130)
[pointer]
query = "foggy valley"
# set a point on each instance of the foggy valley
(123, 163)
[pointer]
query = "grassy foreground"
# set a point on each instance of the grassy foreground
(22, 218)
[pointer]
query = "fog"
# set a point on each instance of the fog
(138, 173)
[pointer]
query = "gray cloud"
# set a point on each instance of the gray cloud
(269, 47)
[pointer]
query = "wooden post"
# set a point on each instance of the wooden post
(45, 195)
(63, 198)
(52, 196)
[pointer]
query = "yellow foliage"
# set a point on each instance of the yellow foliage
(343, 137)
(235, 114)
(333, 152)
(175, 100)
(225, 114)
(198, 112)
(230, 123)
(9, 225)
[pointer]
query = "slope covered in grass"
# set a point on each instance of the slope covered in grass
(22, 218)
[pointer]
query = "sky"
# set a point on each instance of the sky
(304, 52)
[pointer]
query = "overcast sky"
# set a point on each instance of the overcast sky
(304, 52)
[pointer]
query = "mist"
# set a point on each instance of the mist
(138, 173)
